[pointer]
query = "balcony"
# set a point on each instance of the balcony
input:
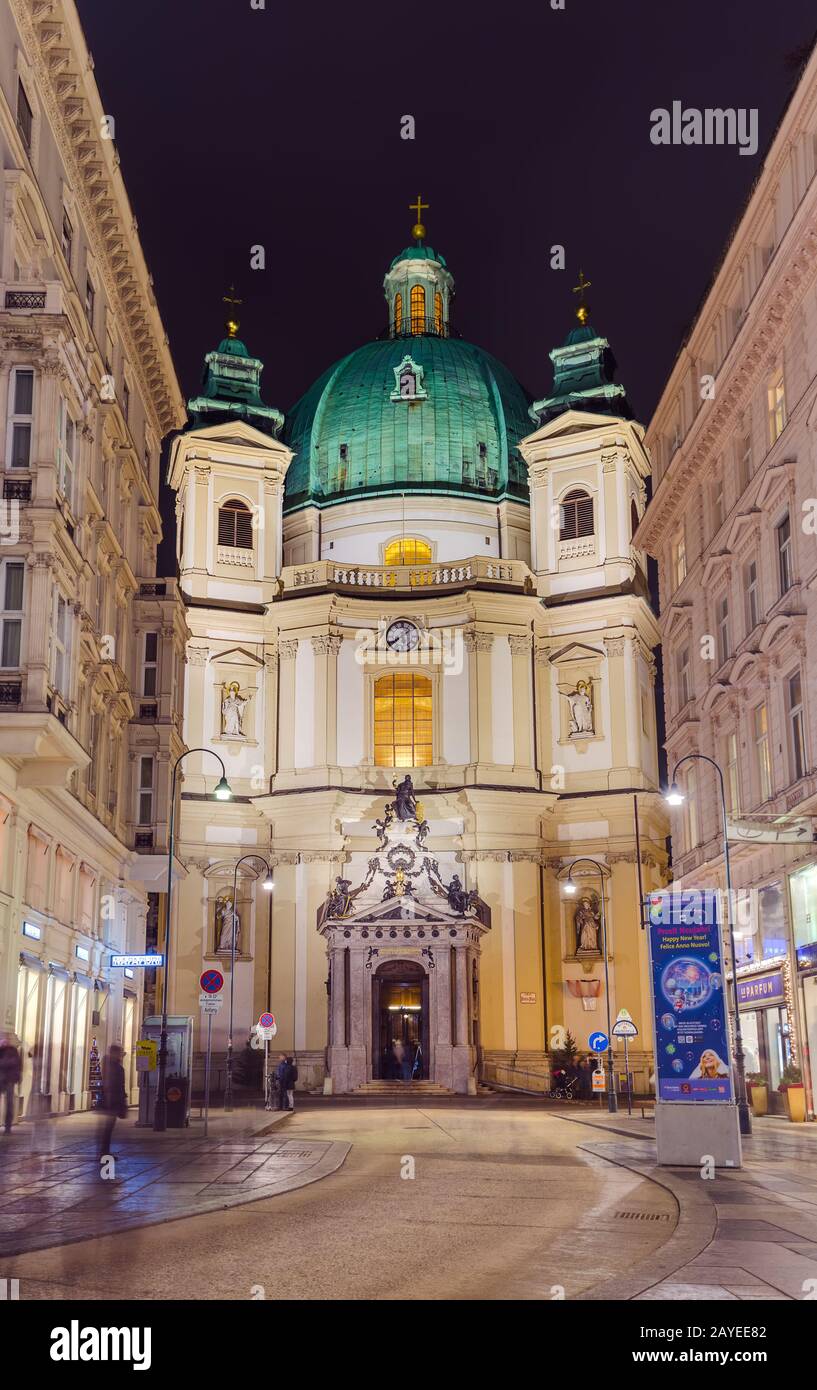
(512, 576)
(16, 489)
(234, 555)
(42, 298)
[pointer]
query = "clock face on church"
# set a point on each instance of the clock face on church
(402, 636)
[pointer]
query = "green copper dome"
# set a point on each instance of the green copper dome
(418, 414)
(419, 252)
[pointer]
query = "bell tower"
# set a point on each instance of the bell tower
(228, 470)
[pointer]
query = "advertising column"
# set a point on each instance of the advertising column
(696, 1119)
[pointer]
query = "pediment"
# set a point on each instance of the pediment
(236, 656)
(576, 422)
(237, 432)
(575, 651)
(679, 616)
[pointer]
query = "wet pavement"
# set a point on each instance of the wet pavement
(748, 1235)
(63, 1193)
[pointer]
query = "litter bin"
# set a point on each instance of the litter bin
(176, 1097)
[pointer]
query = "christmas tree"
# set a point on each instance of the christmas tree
(95, 1076)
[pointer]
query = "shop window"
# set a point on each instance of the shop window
(402, 721)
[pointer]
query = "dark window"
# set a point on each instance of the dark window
(67, 237)
(90, 300)
(235, 525)
(25, 118)
(785, 566)
(576, 516)
(633, 518)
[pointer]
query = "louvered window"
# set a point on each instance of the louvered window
(576, 516)
(235, 525)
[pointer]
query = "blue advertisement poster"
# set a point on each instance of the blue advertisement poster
(691, 1033)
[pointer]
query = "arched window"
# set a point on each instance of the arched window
(633, 518)
(407, 551)
(438, 313)
(402, 721)
(418, 309)
(398, 312)
(235, 525)
(576, 515)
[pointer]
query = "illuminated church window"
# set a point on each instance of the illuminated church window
(235, 525)
(398, 312)
(402, 721)
(438, 313)
(418, 309)
(407, 551)
(576, 516)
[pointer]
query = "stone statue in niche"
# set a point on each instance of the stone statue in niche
(580, 701)
(232, 711)
(228, 924)
(587, 921)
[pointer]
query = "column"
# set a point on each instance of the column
(326, 647)
(617, 693)
(287, 652)
(478, 644)
(521, 688)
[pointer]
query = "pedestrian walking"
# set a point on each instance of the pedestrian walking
(291, 1078)
(11, 1071)
(39, 1105)
(586, 1069)
(114, 1103)
(281, 1072)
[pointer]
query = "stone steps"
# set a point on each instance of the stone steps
(404, 1089)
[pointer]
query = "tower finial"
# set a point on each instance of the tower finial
(582, 313)
(418, 231)
(232, 324)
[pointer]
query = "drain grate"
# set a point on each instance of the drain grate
(641, 1215)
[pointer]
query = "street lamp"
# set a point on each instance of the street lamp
(570, 889)
(675, 797)
(223, 792)
(267, 884)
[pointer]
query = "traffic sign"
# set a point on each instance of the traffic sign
(266, 1027)
(599, 1081)
(624, 1027)
(211, 981)
(598, 1042)
(210, 1003)
(266, 1021)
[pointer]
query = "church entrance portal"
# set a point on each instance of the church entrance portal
(400, 1018)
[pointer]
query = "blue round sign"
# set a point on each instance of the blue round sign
(212, 981)
(598, 1042)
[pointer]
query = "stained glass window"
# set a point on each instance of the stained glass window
(418, 309)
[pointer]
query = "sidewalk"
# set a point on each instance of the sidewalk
(749, 1234)
(58, 1196)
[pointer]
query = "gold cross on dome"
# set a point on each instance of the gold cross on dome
(231, 299)
(418, 231)
(582, 313)
(582, 286)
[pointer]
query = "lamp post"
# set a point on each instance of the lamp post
(268, 886)
(223, 792)
(570, 888)
(675, 797)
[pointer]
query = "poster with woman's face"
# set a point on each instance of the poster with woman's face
(691, 1036)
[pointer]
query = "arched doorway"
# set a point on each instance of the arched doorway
(400, 1018)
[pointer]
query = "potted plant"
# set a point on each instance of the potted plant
(794, 1094)
(758, 1086)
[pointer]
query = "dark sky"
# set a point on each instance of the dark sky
(282, 127)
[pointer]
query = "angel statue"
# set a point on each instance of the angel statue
(232, 711)
(228, 923)
(588, 925)
(581, 708)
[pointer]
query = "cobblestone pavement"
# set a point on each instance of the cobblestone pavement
(58, 1195)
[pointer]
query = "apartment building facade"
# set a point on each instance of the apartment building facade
(733, 527)
(91, 641)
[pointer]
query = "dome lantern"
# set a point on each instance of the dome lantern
(418, 287)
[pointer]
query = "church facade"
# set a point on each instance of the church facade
(422, 645)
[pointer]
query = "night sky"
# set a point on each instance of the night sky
(282, 127)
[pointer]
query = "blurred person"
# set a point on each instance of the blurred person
(42, 1131)
(281, 1078)
(114, 1102)
(11, 1071)
(291, 1078)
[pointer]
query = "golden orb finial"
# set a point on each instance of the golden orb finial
(418, 231)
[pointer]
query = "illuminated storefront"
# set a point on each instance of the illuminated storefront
(803, 899)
